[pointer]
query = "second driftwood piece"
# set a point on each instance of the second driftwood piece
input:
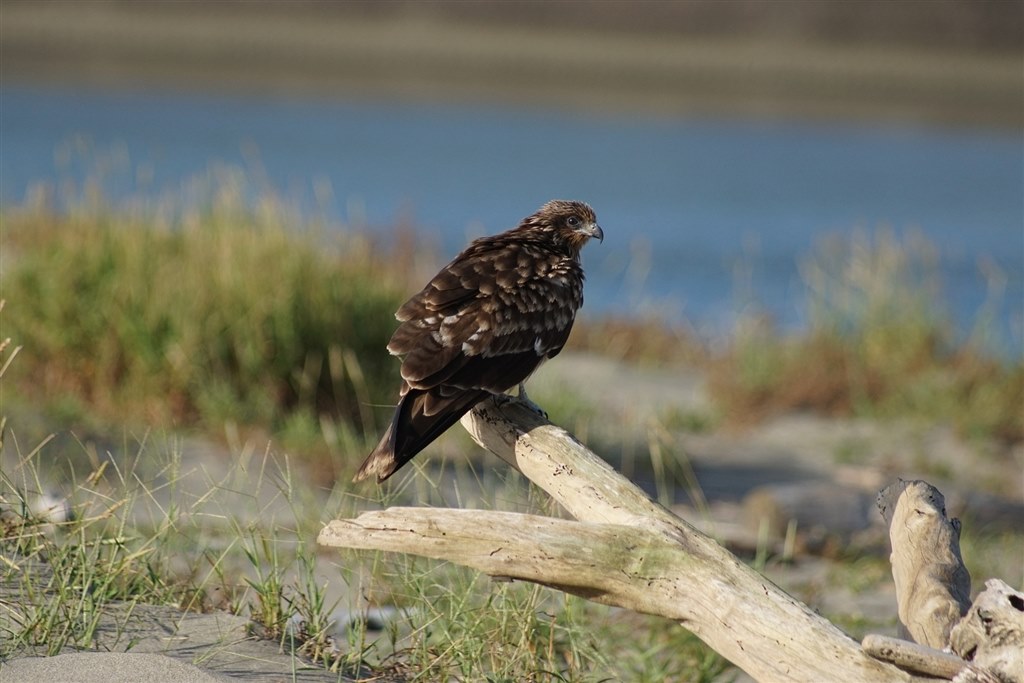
(624, 550)
(933, 587)
(933, 593)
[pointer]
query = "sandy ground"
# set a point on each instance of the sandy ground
(93, 667)
(172, 648)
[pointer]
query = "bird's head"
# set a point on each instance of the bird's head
(566, 222)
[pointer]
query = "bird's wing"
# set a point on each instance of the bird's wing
(487, 320)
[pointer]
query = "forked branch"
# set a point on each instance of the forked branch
(624, 550)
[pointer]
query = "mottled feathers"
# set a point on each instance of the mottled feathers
(482, 325)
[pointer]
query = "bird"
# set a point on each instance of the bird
(483, 325)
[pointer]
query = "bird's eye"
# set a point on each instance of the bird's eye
(573, 221)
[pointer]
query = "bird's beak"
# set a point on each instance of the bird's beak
(595, 231)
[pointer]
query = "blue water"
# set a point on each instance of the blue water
(685, 204)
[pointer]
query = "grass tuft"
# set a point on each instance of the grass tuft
(222, 315)
(879, 345)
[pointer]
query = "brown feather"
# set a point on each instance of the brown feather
(482, 325)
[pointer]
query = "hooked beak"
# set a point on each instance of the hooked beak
(595, 231)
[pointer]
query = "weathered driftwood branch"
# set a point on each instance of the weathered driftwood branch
(933, 587)
(625, 550)
(577, 557)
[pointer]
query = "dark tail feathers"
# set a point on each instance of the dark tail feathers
(411, 431)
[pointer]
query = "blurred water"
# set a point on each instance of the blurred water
(685, 204)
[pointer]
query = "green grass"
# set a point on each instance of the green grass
(64, 582)
(463, 626)
(61, 577)
(221, 315)
(135, 539)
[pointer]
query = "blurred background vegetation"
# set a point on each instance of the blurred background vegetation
(238, 305)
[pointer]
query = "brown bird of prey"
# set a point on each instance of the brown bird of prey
(482, 325)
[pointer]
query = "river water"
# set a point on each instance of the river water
(700, 216)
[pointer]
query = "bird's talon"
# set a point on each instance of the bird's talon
(500, 399)
(533, 406)
(525, 400)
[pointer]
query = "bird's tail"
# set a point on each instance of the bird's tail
(412, 429)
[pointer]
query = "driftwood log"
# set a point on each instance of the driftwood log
(625, 550)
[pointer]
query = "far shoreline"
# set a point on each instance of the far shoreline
(429, 59)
